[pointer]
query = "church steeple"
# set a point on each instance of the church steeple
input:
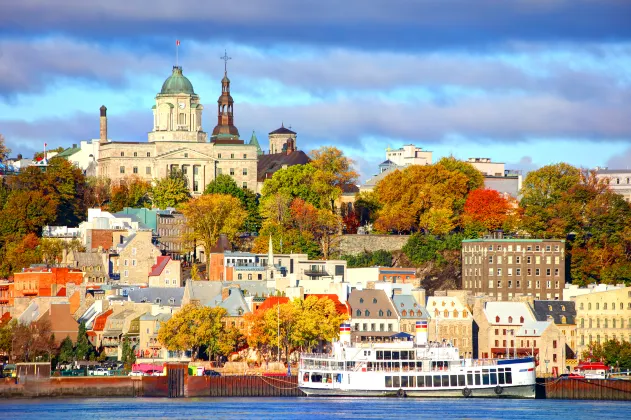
(225, 129)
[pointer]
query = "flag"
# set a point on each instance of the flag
(177, 42)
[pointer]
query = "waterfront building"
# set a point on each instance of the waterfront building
(373, 315)
(603, 316)
(410, 311)
(452, 321)
(563, 314)
(504, 268)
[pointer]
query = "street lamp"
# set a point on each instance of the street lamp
(546, 362)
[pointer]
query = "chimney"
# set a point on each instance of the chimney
(225, 292)
(103, 131)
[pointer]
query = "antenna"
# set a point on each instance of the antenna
(177, 45)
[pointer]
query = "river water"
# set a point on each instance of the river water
(311, 409)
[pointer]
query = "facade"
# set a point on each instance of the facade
(93, 265)
(171, 228)
(451, 320)
(42, 281)
(136, 256)
(496, 177)
(178, 142)
(281, 140)
(409, 155)
(409, 311)
(166, 272)
(547, 343)
(364, 276)
(618, 180)
(504, 268)
(563, 315)
(62, 324)
(373, 315)
(603, 316)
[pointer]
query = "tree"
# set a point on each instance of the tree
(380, 258)
(27, 212)
(194, 272)
(70, 187)
(7, 332)
(66, 351)
(51, 250)
(486, 208)
(4, 150)
(170, 191)
(614, 353)
(128, 355)
(98, 192)
(130, 192)
(293, 182)
(367, 205)
(211, 215)
(334, 171)
(32, 341)
(210, 331)
(475, 178)
(83, 348)
(225, 184)
(18, 252)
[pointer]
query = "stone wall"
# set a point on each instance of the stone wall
(356, 244)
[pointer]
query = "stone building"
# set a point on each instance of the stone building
(178, 142)
(618, 180)
(281, 140)
(373, 315)
(166, 272)
(171, 228)
(603, 316)
(504, 268)
(451, 320)
(563, 314)
(136, 255)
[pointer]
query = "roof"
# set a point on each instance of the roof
(506, 310)
(533, 328)
(268, 165)
(436, 306)
(167, 296)
(159, 266)
(282, 130)
(61, 291)
(88, 259)
(411, 307)
(556, 309)
(177, 83)
(255, 142)
(205, 292)
(512, 240)
(272, 301)
(68, 152)
(251, 287)
(341, 308)
(369, 302)
(99, 321)
(235, 304)
(387, 162)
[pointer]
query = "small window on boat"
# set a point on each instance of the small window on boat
(470, 378)
(493, 377)
(445, 380)
(428, 381)
(485, 377)
(305, 377)
(461, 381)
(387, 355)
(500, 376)
(412, 381)
(395, 355)
(379, 355)
(453, 380)
(509, 377)
(478, 378)
(396, 381)
(388, 381)
(437, 381)
(316, 377)
(420, 381)
(404, 381)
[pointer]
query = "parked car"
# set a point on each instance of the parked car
(101, 372)
(153, 373)
(211, 373)
(136, 373)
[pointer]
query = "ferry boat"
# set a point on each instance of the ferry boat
(411, 369)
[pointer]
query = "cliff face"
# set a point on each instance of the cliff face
(446, 275)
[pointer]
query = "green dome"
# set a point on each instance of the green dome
(177, 83)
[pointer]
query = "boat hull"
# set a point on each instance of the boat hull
(517, 391)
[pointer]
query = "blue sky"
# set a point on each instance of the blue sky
(526, 82)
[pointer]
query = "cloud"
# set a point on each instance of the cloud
(620, 161)
(384, 24)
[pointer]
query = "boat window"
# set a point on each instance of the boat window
(305, 377)
(395, 355)
(485, 377)
(500, 376)
(412, 381)
(396, 381)
(509, 376)
(493, 377)
(404, 355)
(379, 355)
(437, 379)
(461, 381)
(420, 381)
(316, 377)
(387, 355)
(404, 381)
(478, 378)
(445, 380)
(453, 380)
(470, 378)
(388, 381)
(338, 378)
(419, 365)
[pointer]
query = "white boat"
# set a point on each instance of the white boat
(411, 369)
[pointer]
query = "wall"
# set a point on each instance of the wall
(356, 244)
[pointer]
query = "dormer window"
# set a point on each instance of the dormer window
(550, 307)
(381, 312)
(510, 319)
(563, 308)
(497, 319)
(404, 313)
(158, 301)
(172, 301)
(389, 312)
(521, 319)
(359, 313)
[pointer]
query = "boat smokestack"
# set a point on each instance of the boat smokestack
(421, 333)
(345, 334)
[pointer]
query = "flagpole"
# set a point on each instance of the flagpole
(177, 47)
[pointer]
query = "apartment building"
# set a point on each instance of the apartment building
(504, 268)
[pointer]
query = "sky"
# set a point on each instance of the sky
(525, 82)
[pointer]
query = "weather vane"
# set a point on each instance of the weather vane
(225, 58)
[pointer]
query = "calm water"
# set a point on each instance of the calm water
(311, 409)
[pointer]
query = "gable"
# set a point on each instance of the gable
(180, 154)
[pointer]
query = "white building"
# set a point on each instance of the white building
(619, 180)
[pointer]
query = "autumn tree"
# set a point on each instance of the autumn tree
(475, 178)
(18, 252)
(170, 191)
(52, 250)
(211, 215)
(4, 150)
(98, 190)
(486, 209)
(333, 172)
(31, 341)
(130, 192)
(225, 184)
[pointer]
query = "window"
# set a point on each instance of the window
(528, 260)
(490, 259)
(510, 319)
(358, 313)
(518, 271)
(122, 154)
(245, 185)
(122, 169)
(518, 260)
(537, 248)
(366, 312)
(231, 155)
(499, 271)
(148, 170)
(135, 170)
(148, 154)
(245, 171)
(232, 171)
(490, 271)
(537, 272)
(219, 171)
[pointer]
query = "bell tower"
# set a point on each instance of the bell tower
(225, 131)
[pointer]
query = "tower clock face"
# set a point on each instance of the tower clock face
(182, 105)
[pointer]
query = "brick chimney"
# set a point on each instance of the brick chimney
(103, 131)
(225, 292)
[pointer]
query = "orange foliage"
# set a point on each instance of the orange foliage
(487, 208)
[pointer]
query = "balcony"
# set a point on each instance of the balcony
(29, 292)
(316, 272)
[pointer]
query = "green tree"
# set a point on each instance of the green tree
(7, 330)
(170, 191)
(66, 351)
(293, 182)
(83, 347)
(380, 258)
(225, 184)
(128, 355)
(334, 172)
(194, 272)
(131, 192)
(614, 353)
(51, 250)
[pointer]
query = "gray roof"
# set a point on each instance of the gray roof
(126, 241)
(411, 307)
(208, 293)
(556, 309)
(373, 301)
(169, 296)
(252, 287)
(132, 217)
(87, 259)
(159, 317)
(235, 304)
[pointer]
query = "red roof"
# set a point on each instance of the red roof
(271, 302)
(91, 334)
(99, 321)
(62, 292)
(162, 262)
(341, 308)
(6, 317)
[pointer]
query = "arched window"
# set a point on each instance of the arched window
(582, 323)
(563, 319)
(455, 313)
(590, 323)
(606, 323)
(240, 276)
(613, 323)
(521, 319)
(359, 313)
(366, 312)
(621, 305)
(419, 313)
(361, 300)
(465, 314)
(510, 319)
(374, 300)
(597, 322)
(497, 319)
(389, 312)
(446, 313)
(404, 313)
(613, 306)
(380, 312)
(605, 305)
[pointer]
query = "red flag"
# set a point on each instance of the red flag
(177, 42)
